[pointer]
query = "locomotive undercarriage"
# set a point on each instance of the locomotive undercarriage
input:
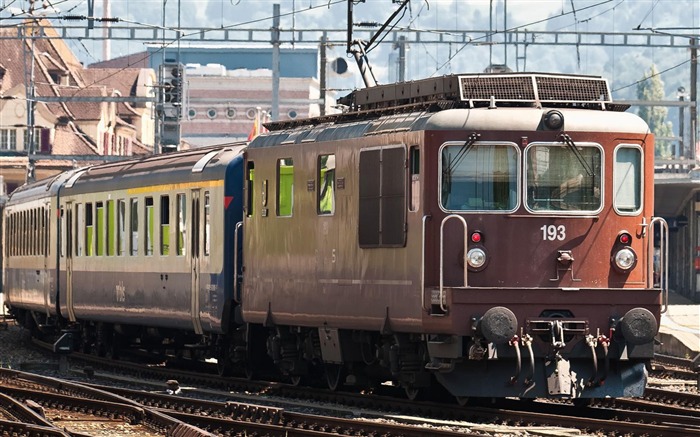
(547, 357)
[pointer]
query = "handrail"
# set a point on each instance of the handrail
(442, 255)
(236, 291)
(663, 258)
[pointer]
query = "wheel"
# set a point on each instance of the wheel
(334, 373)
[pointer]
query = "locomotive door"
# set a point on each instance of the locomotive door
(196, 251)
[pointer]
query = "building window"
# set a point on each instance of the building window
(292, 114)
(285, 187)
(231, 112)
(251, 113)
(8, 139)
(211, 113)
(192, 113)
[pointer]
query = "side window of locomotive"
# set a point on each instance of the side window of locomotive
(121, 227)
(414, 172)
(134, 227)
(181, 231)
(285, 187)
(207, 224)
(164, 225)
(250, 179)
(382, 208)
(627, 180)
(479, 177)
(89, 231)
(148, 241)
(564, 177)
(326, 185)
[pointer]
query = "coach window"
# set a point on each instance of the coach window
(79, 229)
(285, 187)
(564, 177)
(164, 225)
(479, 177)
(121, 227)
(207, 223)
(110, 233)
(47, 229)
(326, 184)
(100, 230)
(134, 227)
(148, 212)
(89, 230)
(181, 223)
(382, 208)
(627, 179)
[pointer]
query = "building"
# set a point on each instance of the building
(76, 113)
(226, 86)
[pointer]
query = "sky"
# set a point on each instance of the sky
(461, 24)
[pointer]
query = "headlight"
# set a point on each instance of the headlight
(625, 259)
(476, 258)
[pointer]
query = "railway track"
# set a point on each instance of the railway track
(661, 412)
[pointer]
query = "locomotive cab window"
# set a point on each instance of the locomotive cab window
(326, 185)
(564, 177)
(479, 177)
(627, 179)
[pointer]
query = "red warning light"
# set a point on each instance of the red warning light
(625, 238)
(476, 237)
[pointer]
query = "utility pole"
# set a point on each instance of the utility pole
(275, 110)
(29, 29)
(322, 74)
(693, 94)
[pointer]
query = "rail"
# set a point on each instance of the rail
(442, 256)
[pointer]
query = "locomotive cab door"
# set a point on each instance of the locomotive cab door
(196, 251)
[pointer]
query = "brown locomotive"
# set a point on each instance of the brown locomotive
(492, 232)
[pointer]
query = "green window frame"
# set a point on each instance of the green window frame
(150, 224)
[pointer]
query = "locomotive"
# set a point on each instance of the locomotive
(489, 234)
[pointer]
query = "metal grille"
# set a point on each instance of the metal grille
(511, 88)
(534, 88)
(553, 88)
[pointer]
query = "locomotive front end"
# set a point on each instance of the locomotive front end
(539, 276)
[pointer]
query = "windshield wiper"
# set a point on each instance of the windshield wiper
(566, 139)
(466, 147)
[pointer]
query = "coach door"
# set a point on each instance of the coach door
(196, 251)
